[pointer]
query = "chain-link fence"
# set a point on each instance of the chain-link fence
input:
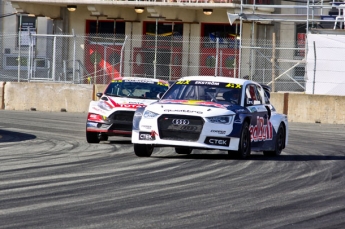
(97, 58)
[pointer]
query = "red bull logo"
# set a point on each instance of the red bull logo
(261, 131)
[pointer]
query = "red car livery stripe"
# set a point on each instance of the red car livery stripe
(124, 105)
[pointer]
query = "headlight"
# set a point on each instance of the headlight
(138, 114)
(149, 114)
(104, 106)
(227, 119)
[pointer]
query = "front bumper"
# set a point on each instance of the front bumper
(118, 123)
(203, 142)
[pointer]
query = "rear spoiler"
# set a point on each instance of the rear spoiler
(266, 87)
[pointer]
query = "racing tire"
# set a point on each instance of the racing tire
(244, 148)
(183, 150)
(279, 144)
(92, 137)
(143, 150)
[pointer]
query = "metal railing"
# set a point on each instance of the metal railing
(99, 58)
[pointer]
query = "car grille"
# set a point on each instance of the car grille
(180, 127)
(122, 120)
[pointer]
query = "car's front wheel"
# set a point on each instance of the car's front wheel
(244, 148)
(279, 143)
(143, 150)
(183, 150)
(92, 137)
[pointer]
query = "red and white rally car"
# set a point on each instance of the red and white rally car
(112, 114)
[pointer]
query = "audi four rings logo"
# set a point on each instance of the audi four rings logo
(180, 122)
(189, 128)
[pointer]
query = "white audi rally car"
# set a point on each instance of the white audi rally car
(204, 112)
(112, 114)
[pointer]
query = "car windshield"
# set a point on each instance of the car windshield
(136, 88)
(205, 91)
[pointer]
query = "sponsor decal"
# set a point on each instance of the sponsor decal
(210, 83)
(217, 141)
(147, 135)
(233, 85)
(146, 127)
(183, 82)
(129, 104)
(252, 109)
(194, 102)
(184, 111)
(98, 109)
(261, 131)
(218, 131)
(207, 83)
(139, 81)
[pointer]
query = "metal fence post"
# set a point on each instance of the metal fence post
(314, 67)
(54, 56)
(74, 50)
(216, 63)
(19, 45)
(155, 60)
(121, 57)
(29, 56)
(273, 61)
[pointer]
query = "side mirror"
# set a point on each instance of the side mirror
(99, 94)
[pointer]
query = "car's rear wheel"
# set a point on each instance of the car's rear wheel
(143, 150)
(183, 150)
(279, 144)
(92, 137)
(244, 148)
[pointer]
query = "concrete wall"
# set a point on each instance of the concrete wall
(47, 96)
(54, 97)
(310, 108)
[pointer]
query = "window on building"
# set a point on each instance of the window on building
(299, 73)
(164, 28)
(300, 39)
(226, 34)
(28, 27)
(105, 27)
(105, 31)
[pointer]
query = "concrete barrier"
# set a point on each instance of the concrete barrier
(299, 107)
(47, 96)
(310, 108)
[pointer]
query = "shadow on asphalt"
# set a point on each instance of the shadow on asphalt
(253, 157)
(125, 142)
(11, 136)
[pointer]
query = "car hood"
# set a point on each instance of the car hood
(108, 104)
(190, 107)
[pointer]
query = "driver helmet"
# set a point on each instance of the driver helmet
(231, 95)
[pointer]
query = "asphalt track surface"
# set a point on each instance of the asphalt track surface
(50, 177)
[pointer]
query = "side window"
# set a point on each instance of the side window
(253, 96)
(259, 92)
(267, 99)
